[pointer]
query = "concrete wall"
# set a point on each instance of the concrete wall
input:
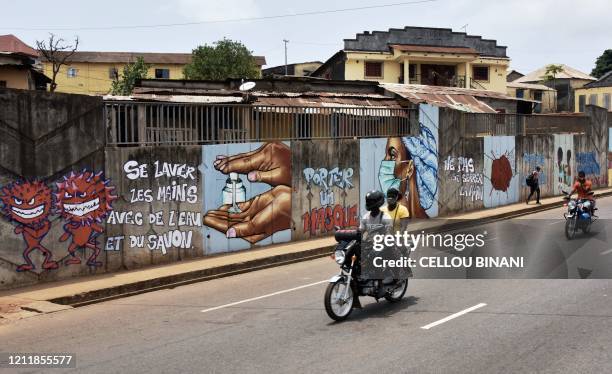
(128, 207)
(325, 186)
(51, 156)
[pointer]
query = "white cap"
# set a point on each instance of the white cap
(234, 176)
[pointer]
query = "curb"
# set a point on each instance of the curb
(172, 281)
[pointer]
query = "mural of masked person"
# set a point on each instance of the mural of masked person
(411, 167)
(266, 213)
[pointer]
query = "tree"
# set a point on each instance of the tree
(603, 64)
(56, 52)
(124, 85)
(224, 59)
(551, 75)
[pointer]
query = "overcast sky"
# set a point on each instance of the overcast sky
(536, 32)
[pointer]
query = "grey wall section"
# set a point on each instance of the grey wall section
(46, 137)
(41, 134)
(157, 217)
(532, 151)
(325, 184)
(460, 165)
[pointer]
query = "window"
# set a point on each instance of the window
(520, 93)
(593, 99)
(480, 73)
(162, 73)
(72, 72)
(2, 83)
(581, 102)
(606, 101)
(113, 73)
(373, 69)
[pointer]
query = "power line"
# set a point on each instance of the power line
(299, 14)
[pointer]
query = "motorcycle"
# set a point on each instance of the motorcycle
(345, 287)
(579, 216)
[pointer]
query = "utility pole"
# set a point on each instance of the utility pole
(286, 41)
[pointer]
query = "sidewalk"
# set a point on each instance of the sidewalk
(44, 298)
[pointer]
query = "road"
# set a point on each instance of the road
(274, 321)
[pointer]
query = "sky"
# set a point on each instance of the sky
(536, 32)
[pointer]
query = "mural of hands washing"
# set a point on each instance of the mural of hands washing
(248, 197)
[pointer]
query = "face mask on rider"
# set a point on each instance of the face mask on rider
(386, 176)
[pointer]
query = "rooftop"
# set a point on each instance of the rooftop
(424, 36)
(150, 58)
(604, 81)
(11, 44)
(568, 72)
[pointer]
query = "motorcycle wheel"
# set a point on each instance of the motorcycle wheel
(399, 292)
(570, 228)
(587, 227)
(336, 308)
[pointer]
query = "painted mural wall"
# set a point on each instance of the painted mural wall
(142, 206)
(409, 164)
(501, 185)
(157, 216)
(325, 187)
(247, 199)
(535, 151)
(564, 163)
(53, 229)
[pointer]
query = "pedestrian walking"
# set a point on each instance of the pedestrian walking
(533, 181)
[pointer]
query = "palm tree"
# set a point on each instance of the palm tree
(551, 75)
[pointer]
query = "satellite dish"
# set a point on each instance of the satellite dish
(246, 86)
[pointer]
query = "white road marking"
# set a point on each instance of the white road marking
(606, 252)
(552, 223)
(263, 296)
(452, 316)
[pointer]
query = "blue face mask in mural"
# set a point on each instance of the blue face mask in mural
(386, 176)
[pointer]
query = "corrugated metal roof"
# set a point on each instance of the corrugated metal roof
(12, 44)
(433, 49)
(529, 86)
(449, 97)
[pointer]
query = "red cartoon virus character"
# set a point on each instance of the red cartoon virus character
(29, 204)
(83, 200)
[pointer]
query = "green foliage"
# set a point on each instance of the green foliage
(124, 84)
(603, 64)
(551, 72)
(224, 59)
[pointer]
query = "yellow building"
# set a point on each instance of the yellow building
(93, 72)
(420, 55)
(595, 93)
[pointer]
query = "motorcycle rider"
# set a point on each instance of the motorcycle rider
(583, 186)
(374, 222)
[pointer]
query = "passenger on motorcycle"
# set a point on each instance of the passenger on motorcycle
(398, 213)
(583, 187)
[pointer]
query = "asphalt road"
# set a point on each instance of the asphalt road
(274, 321)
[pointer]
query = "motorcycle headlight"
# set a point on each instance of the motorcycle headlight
(571, 204)
(339, 255)
(586, 205)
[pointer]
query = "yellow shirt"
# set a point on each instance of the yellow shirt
(396, 215)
